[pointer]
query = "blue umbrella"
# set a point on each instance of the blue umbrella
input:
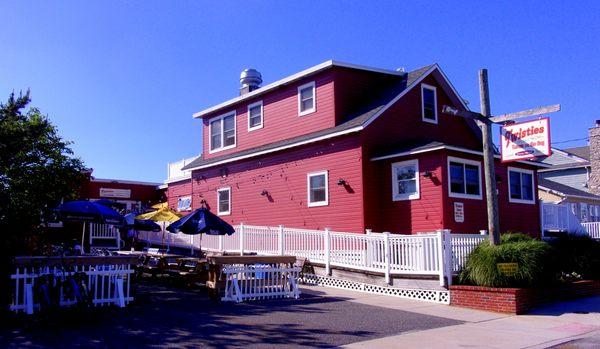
(141, 224)
(87, 211)
(201, 221)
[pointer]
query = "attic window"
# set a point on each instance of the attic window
(222, 132)
(429, 104)
(255, 116)
(306, 99)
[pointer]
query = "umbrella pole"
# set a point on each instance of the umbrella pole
(82, 239)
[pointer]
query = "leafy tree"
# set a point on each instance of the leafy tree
(37, 170)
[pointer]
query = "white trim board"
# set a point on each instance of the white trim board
(292, 78)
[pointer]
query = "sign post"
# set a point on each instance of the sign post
(485, 121)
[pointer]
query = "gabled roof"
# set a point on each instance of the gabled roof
(564, 190)
(353, 123)
(310, 71)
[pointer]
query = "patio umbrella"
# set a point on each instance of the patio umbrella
(201, 221)
(88, 212)
(141, 224)
(161, 215)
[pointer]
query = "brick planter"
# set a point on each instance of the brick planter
(518, 300)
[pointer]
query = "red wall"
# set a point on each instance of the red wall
(406, 216)
(139, 192)
(280, 116)
(514, 217)
(284, 176)
(178, 189)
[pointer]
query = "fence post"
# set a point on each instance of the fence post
(367, 251)
(280, 240)
(327, 252)
(241, 239)
(440, 253)
(28, 298)
(221, 243)
(386, 256)
(449, 257)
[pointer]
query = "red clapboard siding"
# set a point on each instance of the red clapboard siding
(406, 216)
(402, 123)
(284, 176)
(178, 189)
(280, 116)
(514, 217)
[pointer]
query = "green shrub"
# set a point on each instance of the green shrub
(533, 258)
(577, 254)
(514, 237)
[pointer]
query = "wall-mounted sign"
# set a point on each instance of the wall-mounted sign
(525, 140)
(508, 269)
(184, 203)
(459, 212)
(115, 193)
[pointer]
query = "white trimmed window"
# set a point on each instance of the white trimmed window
(520, 186)
(405, 180)
(307, 101)
(317, 189)
(255, 116)
(221, 132)
(464, 178)
(224, 201)
(429, 104)
(184, 203)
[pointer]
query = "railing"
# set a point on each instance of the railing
(104, 232)
(439, 253)
(592, 229)
(462, 245)
(107, 280)
(260, 282)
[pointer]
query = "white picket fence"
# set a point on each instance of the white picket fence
(438, 253)
(592, 229)
(253, 282)
(106, 282)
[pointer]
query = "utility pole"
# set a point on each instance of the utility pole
(485, 120)
(491, 192)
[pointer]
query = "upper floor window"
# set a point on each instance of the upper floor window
(520, 184)
(255, 116)
(224, 201)
(222, 132)
(318, 189)
(306, 99)
(429, 104)
(464, 178)
(405, 180)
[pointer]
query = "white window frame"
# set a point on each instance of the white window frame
(219, 212)
(467, 162)
(435, 109)
(521, 170)
(179, 199)
(401, 197)
(318, 203)
(262, 116)
(314, 91)
(222, 117)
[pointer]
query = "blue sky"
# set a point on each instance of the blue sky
(122, 79)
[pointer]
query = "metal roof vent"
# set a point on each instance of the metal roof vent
(250, 80)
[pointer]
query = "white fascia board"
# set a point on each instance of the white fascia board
(283, 147)
(447, 147)
(291, 78)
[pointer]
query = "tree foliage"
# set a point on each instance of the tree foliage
(37, 170)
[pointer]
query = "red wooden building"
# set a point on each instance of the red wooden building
(351, 148)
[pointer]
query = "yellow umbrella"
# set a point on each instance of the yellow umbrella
(161, 205)
(162, 215)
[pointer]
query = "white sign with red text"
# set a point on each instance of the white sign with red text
(525, 140)
(115, 193)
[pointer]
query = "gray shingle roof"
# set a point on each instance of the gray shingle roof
(565, 190)
(582, 152)
(352, 121)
